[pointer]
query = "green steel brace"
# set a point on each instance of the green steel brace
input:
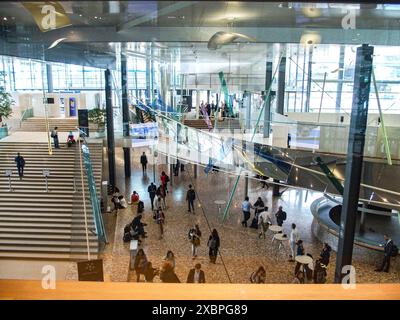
(330, 175)
(226, 93)
(385, 138)
(252, 138)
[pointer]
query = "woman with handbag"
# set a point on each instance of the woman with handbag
(194, 237)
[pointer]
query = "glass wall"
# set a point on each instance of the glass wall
(336, 64)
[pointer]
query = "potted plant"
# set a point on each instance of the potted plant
(98, 117)
(6, 103)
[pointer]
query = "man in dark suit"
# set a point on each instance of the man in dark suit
(196, 275)
(143, 161)
(388, 248)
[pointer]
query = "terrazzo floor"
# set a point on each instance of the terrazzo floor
(241, 251)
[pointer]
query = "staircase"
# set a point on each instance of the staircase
(221, 125)
(39, 225)
(39, 124)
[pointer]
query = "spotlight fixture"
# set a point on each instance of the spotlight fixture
(222, 38)
(310, 38)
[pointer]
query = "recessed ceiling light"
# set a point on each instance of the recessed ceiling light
(95, 17)
(5, 18)
(80, 15)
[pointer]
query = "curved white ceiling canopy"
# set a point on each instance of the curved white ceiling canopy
(222, 38)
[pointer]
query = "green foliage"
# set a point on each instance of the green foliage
(6, 100)
(98, 117)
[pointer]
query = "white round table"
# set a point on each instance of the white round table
(303, 259)
(219, 203)
(281, 238)
(275, 228)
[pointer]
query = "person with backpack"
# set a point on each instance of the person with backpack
(20, 161)
(152, 190)
(389, 250)
(190, 197)
(143, 161)
(280, 216)
(213, 245)
(300, 252)
(54, 135)
(164, 181)
(194, 237)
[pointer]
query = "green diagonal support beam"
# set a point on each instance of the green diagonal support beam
(252, 138)
(226, 93)
(385, 138)
(330, 175)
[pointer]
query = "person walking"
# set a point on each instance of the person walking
(152, 190)
(20, 161)
(280, 216)
(389, 250)
(162, 195)
(194, 237)
(213, 245)
(259, 207)
(164, 181)
(325, 254)
(143, 161)
(160, 219)
(264, 221)
(190, 197)
(294, 237)
(246, 206)
(176, 167)
(196, 275)
(54, 135)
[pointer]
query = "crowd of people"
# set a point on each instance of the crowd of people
(314, 270)
(136, 230)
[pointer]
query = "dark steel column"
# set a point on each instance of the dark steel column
(125, 114)
(309, 78)
(355, 150)
(267, 107)
(280, 102)
(110, 130)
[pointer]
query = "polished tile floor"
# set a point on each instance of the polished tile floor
(241, 251)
